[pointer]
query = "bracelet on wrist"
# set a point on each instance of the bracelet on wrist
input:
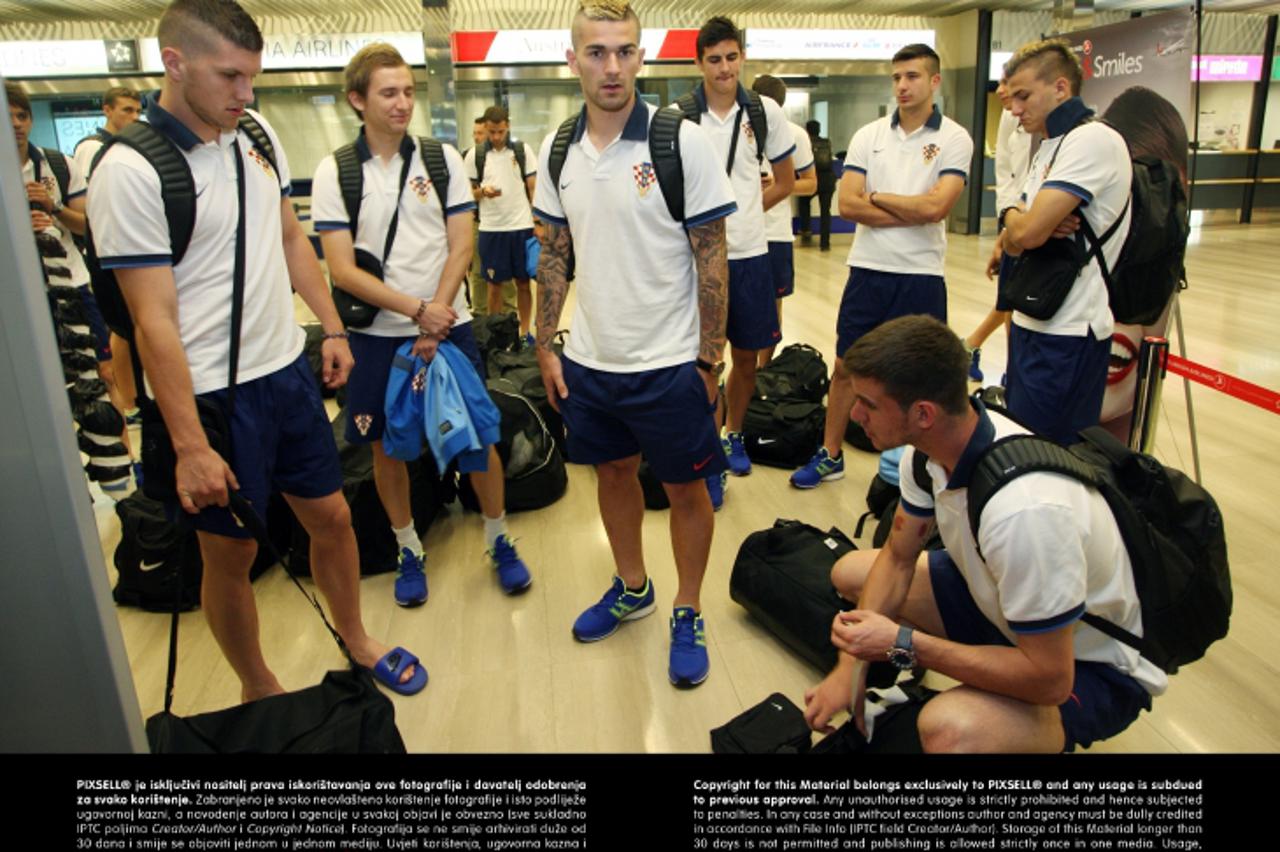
(422, 309)
(335, 335)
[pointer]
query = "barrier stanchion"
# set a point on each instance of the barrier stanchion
(1152, 360)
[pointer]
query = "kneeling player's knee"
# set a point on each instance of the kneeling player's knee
(945, 729)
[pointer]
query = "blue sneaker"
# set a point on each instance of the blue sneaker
(411, 579)
(618, 605)
(528, 341)
(689, 664)
(975, 375)
(739, 462)
(821, 468)
(513, 574)
(716, 485)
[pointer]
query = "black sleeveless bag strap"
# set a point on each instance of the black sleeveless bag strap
(437, 166)
(664, 151)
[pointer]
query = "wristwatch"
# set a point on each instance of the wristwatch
(902, 655)
(716, 369)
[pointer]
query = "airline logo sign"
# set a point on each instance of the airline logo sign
(1099, 66)
(547, 47)
(840, 45)
(1241, 69)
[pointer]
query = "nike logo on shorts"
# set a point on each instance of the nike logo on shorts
(700, 465)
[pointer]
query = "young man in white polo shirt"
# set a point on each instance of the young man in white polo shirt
(280, 434)
(1001, 615)
(1058, 367)
(419, 296)
(504, 193)
(122, 107)
(639, 372)
(778, 217)
(902, 175)
(753, 316)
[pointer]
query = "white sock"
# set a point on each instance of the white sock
(408, 537)
(494, 527)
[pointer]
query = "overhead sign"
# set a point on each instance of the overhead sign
(832, 44)
(1241, 69)
(88, 58)
(547, 47)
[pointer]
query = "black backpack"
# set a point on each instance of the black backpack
(483, 149)
(1171, 528)
(351, 176)
(782, 432)
(688, 105)
(1150, 265)
(58, 165)
(798, 372)
(664, 151)
(533, 467)
(178, 191)
(822, 155)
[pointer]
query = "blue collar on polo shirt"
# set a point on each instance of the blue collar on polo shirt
(635, 130)
(164, 121)
(363, 152)
(933, 122)
(982, 437)
(1065, 116)
(700, 96)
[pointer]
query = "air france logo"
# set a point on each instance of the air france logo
(645, 177)
(419, 186)
(1101, 67)
(257, 157)
(931, 151)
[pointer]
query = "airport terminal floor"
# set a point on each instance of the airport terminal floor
(507, 675)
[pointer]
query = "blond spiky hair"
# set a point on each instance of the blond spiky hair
(603, 10)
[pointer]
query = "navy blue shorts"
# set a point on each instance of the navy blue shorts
(281, 440)
(96, 323)
(503, 255)
(872, 298)
(753, 316)
(1006, 263)
(782, 263)
(367, 386)
(1056, 382)
(1104, 700)
(661, 413)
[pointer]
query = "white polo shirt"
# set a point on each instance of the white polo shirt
(76, 187)
(1094, 166)
(130, 230)
(1052, 547)
(746, 228)
(637, 288)
(778, 217)
(87, 148)
(421, 246)
(509, 211)
(906, 164)
(1013, 158)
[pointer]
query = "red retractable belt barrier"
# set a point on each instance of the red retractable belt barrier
(1230, 385)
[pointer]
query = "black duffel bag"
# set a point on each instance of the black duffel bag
(782, 577)
(533, 468)
(782, 433)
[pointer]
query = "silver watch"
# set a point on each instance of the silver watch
(903, 654)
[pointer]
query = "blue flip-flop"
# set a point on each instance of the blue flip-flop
(389, 669)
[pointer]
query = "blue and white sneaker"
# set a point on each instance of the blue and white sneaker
(411, 578)
(975, 375)
(689, 663)
(513, 574)
(618, 605)
(739, 461)
(821, 468)
(717, 484)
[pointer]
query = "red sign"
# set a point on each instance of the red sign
(1229, 385)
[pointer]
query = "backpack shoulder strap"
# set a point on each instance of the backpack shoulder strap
(350, 181)
(517, 148)
(664, 151)
(482, 151)
(1014, 456)
(61, 171)
(258, 136)
(688, 105)
(177, 186)
(559, 148)
(920, 472)
(759, 123)
(437, 169)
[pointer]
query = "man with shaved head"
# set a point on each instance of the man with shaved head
(279, 433)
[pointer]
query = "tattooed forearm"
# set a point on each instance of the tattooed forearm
(711, 258)
(553, 280)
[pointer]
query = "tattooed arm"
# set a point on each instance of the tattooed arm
(553, 289)
(711, 259)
